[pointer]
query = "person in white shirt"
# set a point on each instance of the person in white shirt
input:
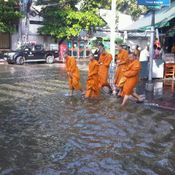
(144, 56)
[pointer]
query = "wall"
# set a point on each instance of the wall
(28, 30)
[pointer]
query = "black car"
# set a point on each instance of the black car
(31, 53)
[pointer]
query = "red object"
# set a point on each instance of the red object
(157, 43)
(62, 50)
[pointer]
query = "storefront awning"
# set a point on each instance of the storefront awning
(162, 18)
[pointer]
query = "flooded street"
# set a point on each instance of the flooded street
(42, 132)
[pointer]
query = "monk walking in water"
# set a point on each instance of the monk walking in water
(132, 76)
(122, 60)
(104, 63)
(73, 73)
(92, 85)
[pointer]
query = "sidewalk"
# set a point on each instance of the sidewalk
(162, 96)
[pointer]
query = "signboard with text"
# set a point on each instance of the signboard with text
(154, 2)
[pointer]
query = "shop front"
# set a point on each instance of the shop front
(165, 27)
(78, 48)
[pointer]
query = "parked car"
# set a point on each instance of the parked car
(30, 53)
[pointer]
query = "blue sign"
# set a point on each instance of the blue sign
(154, 2)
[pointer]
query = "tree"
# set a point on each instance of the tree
(130, 7)
(9, 15)
(95, 5)
(64, 20)
(126, 6)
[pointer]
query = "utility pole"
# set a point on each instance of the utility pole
(112, 42)
(149, 85)
(152, 44)
(112, 28)
(20, 25)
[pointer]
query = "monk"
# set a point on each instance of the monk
(122, 60)
(104, 63)
(92, 85)
(73, 73)
(132, 76)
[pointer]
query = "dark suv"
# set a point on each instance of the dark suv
(31, 53)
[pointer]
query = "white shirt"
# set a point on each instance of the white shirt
(144, 54)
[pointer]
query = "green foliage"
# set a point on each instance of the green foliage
(9, 15)
(130, 7)
(126, 6)
(64, 20)
(61, 4)
(68, 23)
(95, 5)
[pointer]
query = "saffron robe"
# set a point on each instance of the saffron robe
(132, 77)
(92, 84)
(73, 73)
(104, 63)
(122, 57)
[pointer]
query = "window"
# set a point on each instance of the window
(38, 47)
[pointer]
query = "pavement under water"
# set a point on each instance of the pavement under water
(43, 132)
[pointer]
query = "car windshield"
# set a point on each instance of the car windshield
(23, 47)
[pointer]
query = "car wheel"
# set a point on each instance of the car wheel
(20, 60)
(9, 62)
(49, 59)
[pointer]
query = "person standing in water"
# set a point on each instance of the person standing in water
(92, 84)
(132, 76)
(72, 73)
(104, 63)
(121, 64)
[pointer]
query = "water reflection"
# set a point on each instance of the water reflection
(50, 134)
(170, 83)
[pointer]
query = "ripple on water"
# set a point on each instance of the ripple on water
(59, 135)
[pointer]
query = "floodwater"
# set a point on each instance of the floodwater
(42, 132)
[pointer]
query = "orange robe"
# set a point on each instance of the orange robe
(122, 56)
(104, 63)
(92, 86)
(74, 77)
(132, 77)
